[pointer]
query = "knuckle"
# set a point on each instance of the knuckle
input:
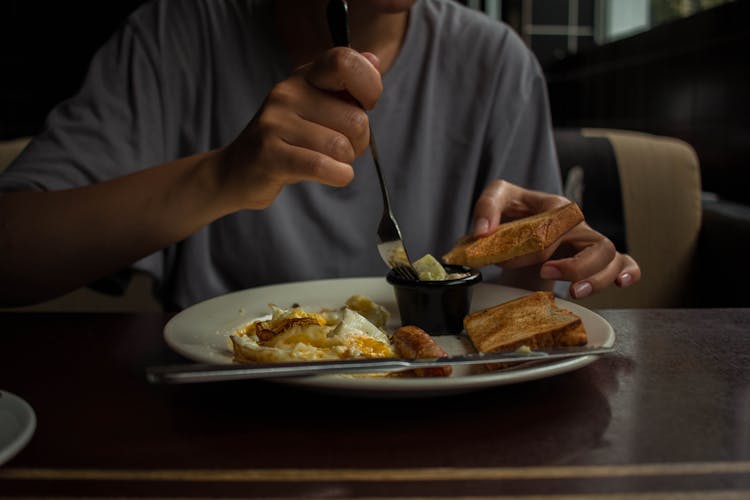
(354, 74)
(486, 203)
(316, 165)
(340, 148)
(264, 126)
(572, 273)
(346, 60)
(281, 94)
(483, 203)
(609, 248)
(340, 60)
(498, 184)
(264, 121)
(358, 122)
(495, 189)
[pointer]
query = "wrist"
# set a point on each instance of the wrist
(197, 196)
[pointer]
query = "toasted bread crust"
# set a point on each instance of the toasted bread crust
(516, 238)
(533, 320)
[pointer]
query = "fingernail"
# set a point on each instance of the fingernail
(481, 225)
(625, 279)
(582, 289)
(550, 273)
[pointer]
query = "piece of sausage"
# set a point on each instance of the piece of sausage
(411, 342)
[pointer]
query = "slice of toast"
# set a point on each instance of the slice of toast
(533, 320)
(516, 238)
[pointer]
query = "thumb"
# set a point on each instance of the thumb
(372, 58)
(481, 225)
(489, 207)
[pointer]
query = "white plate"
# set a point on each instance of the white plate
(17, 425)
(201, 333)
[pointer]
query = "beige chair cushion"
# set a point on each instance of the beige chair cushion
(661, 196)
(11, 148)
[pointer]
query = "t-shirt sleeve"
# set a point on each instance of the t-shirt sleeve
(112, 127)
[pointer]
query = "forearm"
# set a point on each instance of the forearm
(53, 242)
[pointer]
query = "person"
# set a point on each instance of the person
(220, 145)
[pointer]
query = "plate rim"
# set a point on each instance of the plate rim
(26, 416)
(399, 386)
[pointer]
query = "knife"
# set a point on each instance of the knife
(193, 373)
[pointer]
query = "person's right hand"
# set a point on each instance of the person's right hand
(310, 127)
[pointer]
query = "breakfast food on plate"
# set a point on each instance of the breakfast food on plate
(515, 238)
(412, 342)
(429, 269)
(356, 330)
(374, 312)
(532, 321)
(297, 335)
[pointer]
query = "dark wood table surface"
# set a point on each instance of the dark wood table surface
(667, 415)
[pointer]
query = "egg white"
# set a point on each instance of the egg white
(351, 336)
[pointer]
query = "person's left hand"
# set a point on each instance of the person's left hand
(583, 256)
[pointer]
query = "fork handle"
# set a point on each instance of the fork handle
(337, 13)
(376, 160)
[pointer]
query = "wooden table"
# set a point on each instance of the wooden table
(668, 414)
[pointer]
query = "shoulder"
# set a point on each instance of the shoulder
(468, 35)
(209, 17)
(475, 46)
(454, 15)
(181, 10)
(191, 34)
(457, 24)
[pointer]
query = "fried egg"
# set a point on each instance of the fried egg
(297, 335)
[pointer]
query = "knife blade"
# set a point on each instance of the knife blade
(195, 372)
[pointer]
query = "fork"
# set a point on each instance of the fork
(391, 246)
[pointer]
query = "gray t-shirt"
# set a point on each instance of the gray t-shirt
(465, 102)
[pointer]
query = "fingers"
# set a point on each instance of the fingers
(594, 266)
(489, 207)
(293, 149)
(502, 200)
(300, 164)
(591, 262)
(320, 108)
(310, 127)
(599, 281)
(631, 272)
(316, 120)
(344, 69)
(591, 270)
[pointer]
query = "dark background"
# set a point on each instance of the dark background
(689, 78)
(45, 50)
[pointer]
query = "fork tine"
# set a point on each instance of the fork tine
(406, 272)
